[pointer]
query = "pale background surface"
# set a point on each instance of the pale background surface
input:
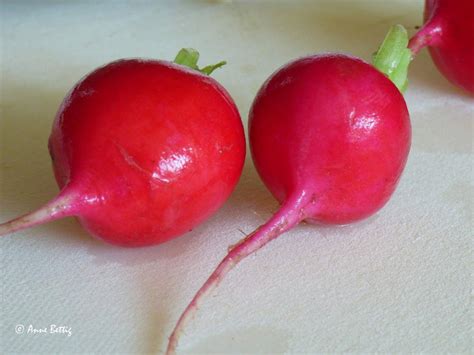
(400, 281)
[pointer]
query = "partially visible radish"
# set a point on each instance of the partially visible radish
(143, 151)
(449, 33)
(330, 136)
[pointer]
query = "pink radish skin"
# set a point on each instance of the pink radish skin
(449, 34)
(329, 136)
(143, 151)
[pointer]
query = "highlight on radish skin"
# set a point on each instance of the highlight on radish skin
(449, 33)
(329, 136)
(143, 151)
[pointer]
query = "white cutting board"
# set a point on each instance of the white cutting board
(398, 282)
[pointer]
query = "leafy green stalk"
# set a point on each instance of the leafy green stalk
(394, 57)
(189, 58)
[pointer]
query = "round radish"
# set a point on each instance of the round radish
(449, 33)
(143, 151)
(329, 136)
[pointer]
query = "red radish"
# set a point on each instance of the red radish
(449, 33)
(143, 151)
(329, 136)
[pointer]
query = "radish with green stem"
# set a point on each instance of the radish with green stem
(143, 151)
(329, 136)
(448, 32)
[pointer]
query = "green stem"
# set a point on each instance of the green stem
(394, 57)
(189, 58)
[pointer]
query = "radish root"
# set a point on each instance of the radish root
(59, 207)
(292, 212)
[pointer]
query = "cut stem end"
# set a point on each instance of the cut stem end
(393, 57)
(189, 57)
